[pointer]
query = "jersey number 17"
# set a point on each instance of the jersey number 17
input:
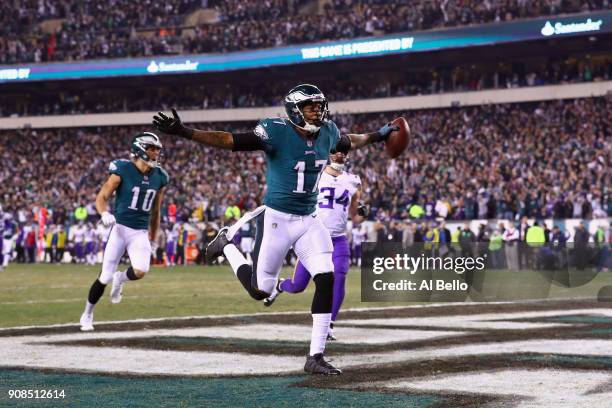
(300, 167)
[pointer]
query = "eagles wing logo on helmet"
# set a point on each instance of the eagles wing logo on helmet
(141, 142)
(300, 96)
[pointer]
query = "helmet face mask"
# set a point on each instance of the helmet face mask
(338, 160)
(141, 143)
(300, 97)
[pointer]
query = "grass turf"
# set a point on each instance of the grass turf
(47, 294)
(39, 294)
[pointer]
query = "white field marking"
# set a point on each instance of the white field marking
(223, 316)
(482, 321)
(27, 351)
(271, 332)
(536, 387)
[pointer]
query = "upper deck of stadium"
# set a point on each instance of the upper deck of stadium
(71, 30)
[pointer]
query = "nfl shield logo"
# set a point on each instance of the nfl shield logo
(309, 143)
(274, 225)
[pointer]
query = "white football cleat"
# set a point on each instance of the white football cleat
(330, 335)
(115, 295)
(86, 322)
(275, 292)
(330, 332)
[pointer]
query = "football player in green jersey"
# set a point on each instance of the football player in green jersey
(297, 149)
(139, 186)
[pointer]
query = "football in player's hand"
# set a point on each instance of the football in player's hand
(398, 139)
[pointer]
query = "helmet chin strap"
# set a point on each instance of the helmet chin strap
(310, 128)
(152, 163)
(337, 166)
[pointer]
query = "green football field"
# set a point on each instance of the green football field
(47, 294)
(43, 294)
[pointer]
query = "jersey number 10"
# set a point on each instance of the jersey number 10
(147, 203)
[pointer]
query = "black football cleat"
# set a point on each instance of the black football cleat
(317, 365)
(215, 248)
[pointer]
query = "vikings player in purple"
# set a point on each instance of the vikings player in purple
(339, 194)
(8, 234)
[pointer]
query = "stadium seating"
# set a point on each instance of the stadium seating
(498, 161)
(72, 30)
(461, 78)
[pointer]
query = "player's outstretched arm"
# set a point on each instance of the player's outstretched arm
(174, 126)
(364, 139)
(106, 192)
(156, 214)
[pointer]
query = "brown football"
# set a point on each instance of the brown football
(398, 139)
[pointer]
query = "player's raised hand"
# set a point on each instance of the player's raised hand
(386, 130)
(171, 126)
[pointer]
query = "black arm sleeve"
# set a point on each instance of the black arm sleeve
(247, 142)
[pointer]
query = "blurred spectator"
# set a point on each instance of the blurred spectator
(124, 28)
(523, 157)
(97, 99)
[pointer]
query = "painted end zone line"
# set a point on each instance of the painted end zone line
(240, 315)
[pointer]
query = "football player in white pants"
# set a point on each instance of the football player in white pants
(339, 195)
(247, 240)
(297, 150)
(139, 185)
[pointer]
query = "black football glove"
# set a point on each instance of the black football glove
(172, 126)
(363, 210)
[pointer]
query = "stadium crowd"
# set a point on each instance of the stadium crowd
(511, 161)
(122, 28)
(548, 159)
(98, 99)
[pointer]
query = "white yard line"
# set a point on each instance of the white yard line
(223, 316)
(540, 388)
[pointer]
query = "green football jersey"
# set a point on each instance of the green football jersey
(294, 165)
(136, 193)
